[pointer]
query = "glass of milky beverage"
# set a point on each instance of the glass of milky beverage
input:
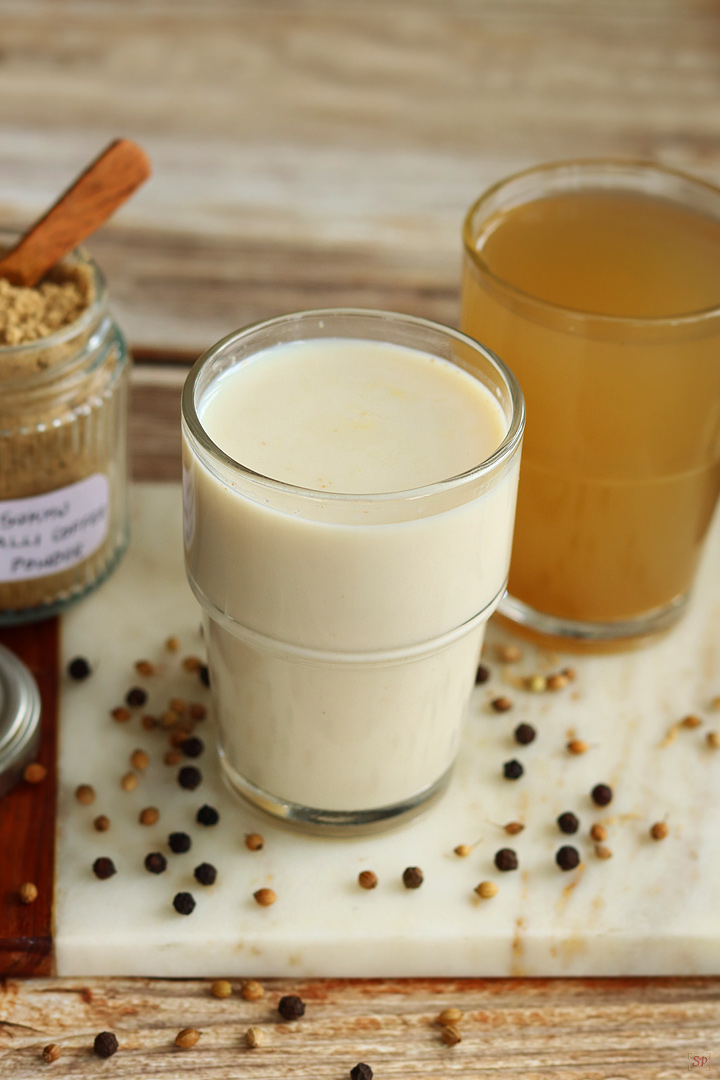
(599, 283)
(349, 494)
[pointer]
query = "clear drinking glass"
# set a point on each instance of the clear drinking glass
(344, 631)
(621, 374)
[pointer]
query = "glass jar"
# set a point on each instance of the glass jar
(63, 458)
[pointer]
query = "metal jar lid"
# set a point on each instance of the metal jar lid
(19, 719)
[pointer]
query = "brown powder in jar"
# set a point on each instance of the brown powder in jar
(27, 314)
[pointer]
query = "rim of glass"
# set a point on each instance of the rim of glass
(503, 452)
(89, 315)
(619, 165)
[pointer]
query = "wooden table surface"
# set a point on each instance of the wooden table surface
(313, 153)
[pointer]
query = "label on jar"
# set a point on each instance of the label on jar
(46, 534)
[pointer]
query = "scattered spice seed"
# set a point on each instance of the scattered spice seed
(139, 760)
(514, 827)
(568, 823)
(135, 697)
(184, 903)
(178, 737)
(254, 841)
(105, 1044)
(156, 863)
(659, 830)
(101, 823)
(34, 773)
(191, 663)
(537, 684)
(204, 673)
(207, 815)
(412, 877)
(715, 702)
(367, 879)
(603, 852)
(361, 1071)
(28, 892)
(512, 770)
(577, 746)
(169, 718)
(265, 897)
(189, 777)
(291, 1007)
(506, 859)
(78, 669)
(463, 850)
(144, 668)
(508, 654)
(205, 874)
(713, 740)
(524, 734)
(187, 1038)
(198, 711)
(104, 868)
(599, 833)
(129, 782)
(172, 644)
(449, 1016)
(486, 889)
(149, 722)
(149, 816)
(557, 682)
(252, 990)
(501, 704)
(178, 705)
(567, 858)
(482, 675)
(570, 673)
(221, 988)
(601, 795)
(450, 1035)
(85, 794)
(172, 757)
(51, 1052)
(254, 1037)
(691, 721)
(179, 842)
(193, 747)
(121, 714)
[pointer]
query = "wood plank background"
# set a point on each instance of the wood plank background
(314, 153)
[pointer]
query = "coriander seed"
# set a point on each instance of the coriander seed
(144, 668)
(85, 794)
(265, 897)
(178, 705)
(207, 815)
(179, 842)
(169, 718)
(187, 1038)
(189, 777)
(601, 795)
(198, 711)
(172, 757)
(450, 1035)
(463, 850)
(659, 830)
(252, 990)
(570, 673)
(537, 684)
(449, 1016)
(514, 827)
(104, 868)
(172, 644)
(205, 874)
(291, 1007)
(139, 760)
(691, 721)
(482, 675)
(51, 1052)
(508, 654)
(557, 682)
(599, 833)
(129, 782)
(367, 879)
(361, 1071)
(105, 1044)
(184, 903)
(78, 669)
(254, 1037)
(155, 862)
(501, 704)
(101, 823)
(524, 734)
(34, 773)
(412, 877)
(506, 859)
(149, 722)
(149, 816)
(28, 892)
(713, 740)
(567, 858)
(221, 988)
(135, 697)
(577, 746)
(512, 770)
(603, 852)
(121, 714)
(486, 889)
(568, 823)
(254, 841)
(191, 663)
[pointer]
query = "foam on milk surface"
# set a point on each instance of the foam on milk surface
(351, 416)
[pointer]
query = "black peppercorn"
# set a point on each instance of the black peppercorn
(192, 747)
(179, 842)
(135, 697)
(189, 777)
(204, 674)
(361, 1071)
(78, 668)
(601, 795)
(567, 858)
(506, 859)
(512, 770)
(482, 675)
(524, 734)
(104, 868)
(207, 815)
(291, 1007)
(205, 874)
(155, 862)
(184, 903)
(413, 877)
(568, 823)
(105, 1044)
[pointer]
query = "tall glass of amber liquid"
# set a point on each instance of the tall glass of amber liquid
(598, 283)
